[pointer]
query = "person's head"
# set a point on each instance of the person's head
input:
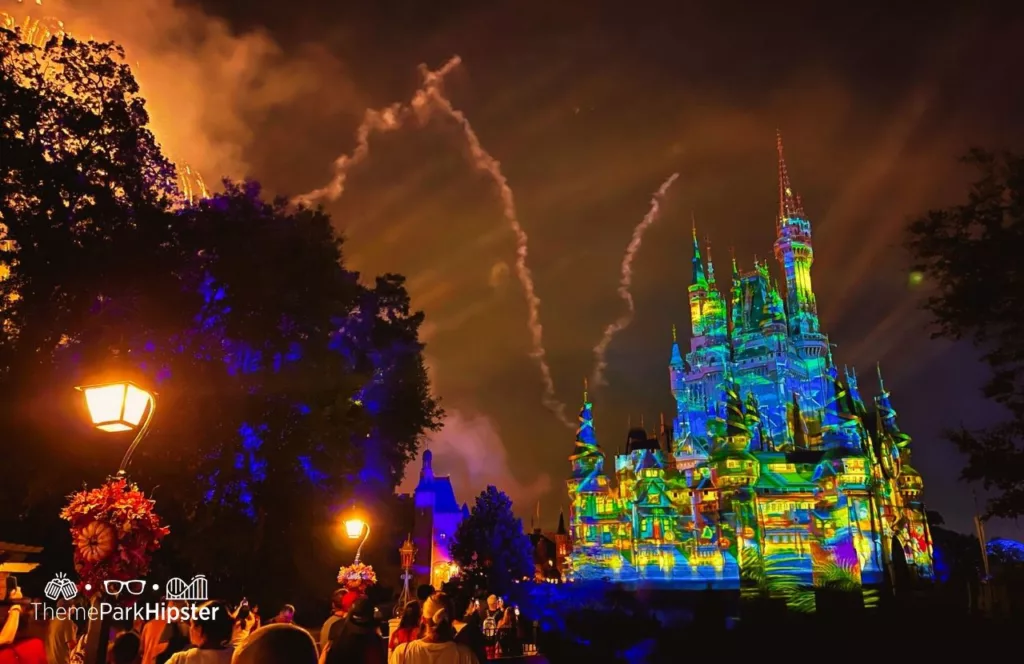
(338, 600)
(286, 614)
(492, 603)
(424, 592)
(243, 612)
(362, 613)
(126, 648)
(438, 614)
(211, 625)
(277, 644)
(411, 615)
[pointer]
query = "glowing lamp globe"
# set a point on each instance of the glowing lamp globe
(354, 528)
(116, 407)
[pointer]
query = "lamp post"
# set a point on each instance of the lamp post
(115, 408)
(120, 407)
(356, 528)
(407, 552)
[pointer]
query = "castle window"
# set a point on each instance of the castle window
(732, 463)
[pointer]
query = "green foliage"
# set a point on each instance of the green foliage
(240, 311)
(970, 253)
(491, 542)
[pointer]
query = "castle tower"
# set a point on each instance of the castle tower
(795, 252)
(588, 479)
(437, 517)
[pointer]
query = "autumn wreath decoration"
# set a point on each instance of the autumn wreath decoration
(114, 531)
(357, 578)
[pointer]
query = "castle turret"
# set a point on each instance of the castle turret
(698, 292)
(715, 318)
(887, 415)
(588, 478)
(795, 252)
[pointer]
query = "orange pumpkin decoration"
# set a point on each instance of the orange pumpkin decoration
(96, 541)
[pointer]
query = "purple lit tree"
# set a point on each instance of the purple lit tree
(284, 382)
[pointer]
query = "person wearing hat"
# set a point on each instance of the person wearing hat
(356, 639)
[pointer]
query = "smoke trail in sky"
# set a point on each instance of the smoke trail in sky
(431, 99)
(383, 120)
(626, 283)
(427, 101)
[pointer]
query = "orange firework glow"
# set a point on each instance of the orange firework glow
(39, 32)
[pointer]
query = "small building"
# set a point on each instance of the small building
(437, 516)
(550, 551)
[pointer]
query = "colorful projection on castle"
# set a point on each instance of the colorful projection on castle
(774, 472)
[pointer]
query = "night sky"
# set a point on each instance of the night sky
(590, 106)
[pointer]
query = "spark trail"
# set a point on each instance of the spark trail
(428, 101)
(626, 282)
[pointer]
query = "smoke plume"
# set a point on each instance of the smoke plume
(626, 282)
(209, 90)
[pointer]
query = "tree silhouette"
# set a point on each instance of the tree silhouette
(971, 253)
(491, 542)
(285, 384)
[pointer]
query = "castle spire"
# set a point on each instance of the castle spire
(735, 267)
(711, 265)
(795, 253)
(699, 279)
(790, 205)
(586, 439)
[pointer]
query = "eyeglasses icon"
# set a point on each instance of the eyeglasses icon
(116, 586)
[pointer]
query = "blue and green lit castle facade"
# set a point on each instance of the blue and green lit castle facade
(775, 469)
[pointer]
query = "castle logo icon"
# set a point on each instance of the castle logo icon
(60, 587)
(195, 591)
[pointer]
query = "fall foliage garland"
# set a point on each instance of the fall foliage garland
(115, 532)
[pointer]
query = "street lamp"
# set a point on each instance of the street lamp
(356, 528)
(118, 407)
(115, 408)
(408, 555)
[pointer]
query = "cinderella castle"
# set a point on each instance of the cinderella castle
(775, 469)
